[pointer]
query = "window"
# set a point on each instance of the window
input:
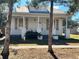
(57, 23)
(15, 23)
(20, 22)
(47, 22)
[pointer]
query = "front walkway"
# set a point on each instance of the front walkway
(53, 46)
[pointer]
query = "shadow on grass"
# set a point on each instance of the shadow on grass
(44, 42)
(60, 41)
(28, 41)
(52, 54)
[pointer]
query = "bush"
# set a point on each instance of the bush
(62, 37)
(32, 35)
(15, 39)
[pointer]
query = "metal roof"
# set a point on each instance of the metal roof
(37, 10)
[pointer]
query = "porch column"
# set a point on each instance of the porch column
(60, 26)
(12, 25)
(17, 23)
(23, 22)
(38, 28)
(56, 24)
(23, 29)
(67, 33)
(55, 37)
(53, 28)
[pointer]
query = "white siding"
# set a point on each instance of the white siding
(14, 31)
(43, 26)
(33, 25)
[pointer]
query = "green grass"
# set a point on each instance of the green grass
(74, 36)
(30, 42)
(35, 42)
(23, 44)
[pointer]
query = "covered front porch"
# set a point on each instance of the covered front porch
(22, 22)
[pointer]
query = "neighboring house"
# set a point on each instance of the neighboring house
(30, 19)
(74, 30)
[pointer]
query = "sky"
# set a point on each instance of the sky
(61, 7)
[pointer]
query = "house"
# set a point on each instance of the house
(74, 30)
(36, 19)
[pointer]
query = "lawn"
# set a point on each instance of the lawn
(73, 40)
(42, 53)
(74, 36)
(29, 42)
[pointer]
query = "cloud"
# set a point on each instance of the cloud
(57, 7)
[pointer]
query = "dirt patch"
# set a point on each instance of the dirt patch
(67, 53)
(42, 53)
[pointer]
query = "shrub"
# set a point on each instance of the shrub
(15, 39)
(62, 37)
(32, 35)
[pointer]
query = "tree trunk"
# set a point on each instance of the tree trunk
(5, 52)
(50, 28)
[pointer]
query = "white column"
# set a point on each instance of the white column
(60, 27)
(23, 29)
(53, 28)
(24, 22)
(38, 28)
(67, 33)
(12, 25)
(66, 28)
(17, 23)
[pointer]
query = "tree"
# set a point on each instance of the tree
(72, 23)
(2, 20)
(2, 15)
(5, 52)
(73, 6)
(35, 4)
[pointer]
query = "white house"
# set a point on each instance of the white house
(28, 18)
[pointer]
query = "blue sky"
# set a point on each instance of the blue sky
(61, 7)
